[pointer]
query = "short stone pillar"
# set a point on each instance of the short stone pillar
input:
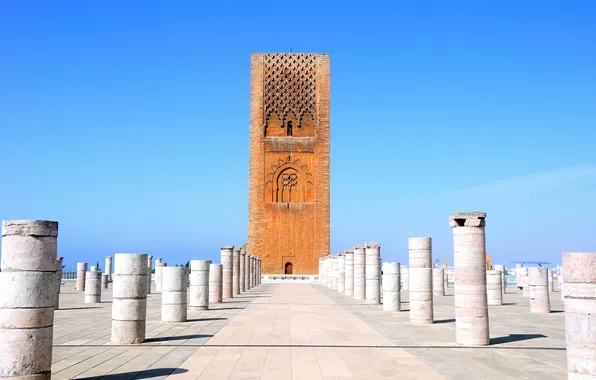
(215, 283)
(236, 272)
(253, 271)
(227, 258)
(518, 281)
(173, 297)
(247, 268)
(391, 294)
(129, 307)
(59, 261)
(329, 272)
(149, 273)
(199, 284)
(551, 282)
(501, 268)
(349, 272)
(93, 286)
(335, 270)
(341, 272)
(359, 272)
(158, 275)
(580, 314)
(538, 289)
(105, 279)
(561, 282)
(438, 281)
(81, 271)
(259, 277)
(242, 273)
(494, 292)
(525, 283)
(471, 306)
(421, 282)
(108, 268)
(373, 273)
(27, 298)
(404, 278)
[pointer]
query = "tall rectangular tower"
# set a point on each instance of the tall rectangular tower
(288, 196)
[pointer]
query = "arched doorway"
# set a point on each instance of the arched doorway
(288, 268)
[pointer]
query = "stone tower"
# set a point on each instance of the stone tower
(288, 196)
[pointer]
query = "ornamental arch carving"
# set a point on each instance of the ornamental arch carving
(289, 181)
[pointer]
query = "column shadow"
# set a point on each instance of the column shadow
(177, 337)
(515, 338)
(146, 374)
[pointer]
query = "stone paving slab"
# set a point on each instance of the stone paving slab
(305, 331)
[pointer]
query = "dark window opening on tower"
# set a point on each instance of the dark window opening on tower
(290, 128)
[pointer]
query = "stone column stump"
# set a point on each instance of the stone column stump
(173, 297)
(421, 282)
(372, 253)
(81, 271)
(391, 293)
(438, 282)
(494, 291)
(199, 284)
(215, 283)
(227, 258)
(538, 289)
(93, 286)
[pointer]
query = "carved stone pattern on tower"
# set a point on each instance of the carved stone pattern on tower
(290, 86)
(269, 177)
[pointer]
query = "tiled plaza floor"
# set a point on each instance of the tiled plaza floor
(305, 331)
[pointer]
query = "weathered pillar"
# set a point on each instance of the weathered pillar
(199, 284)
(391, 294)
(215, 283)
(253, 271)
(538, 289)
(149, 274)
(438, 282)
(580, 314)
(501, 268)
(93, 286)
(372, 273)
(359, 272)
(173, 298)
(108, 268)
(349, 273)
(236, 272)
(129, 307)
(242, 274)
(158, 275)
(471, 308)
(259, 272)
(494, 292)
(341, 272)
(551, 282)
(335, 266)
(27, 298)
(421, 282)
(105, 279)
(525, 282)
(518, 281)
(58, 280)
(404, 275)
(227, 258)
(561, 282)
(248, 269)
(329, 275)
(81, 270)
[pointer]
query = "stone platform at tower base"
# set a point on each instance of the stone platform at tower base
(305, 331)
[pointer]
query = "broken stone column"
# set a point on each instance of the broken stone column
(58, 280)
(199, 284)
(173, 298)
(227, 258)
(253, 271)
(93, 286)
(359, 272)
(259, 272)
(391, 294)
(341, 272)
(242, 273)
(330, 272)
(524, 282)
(27, 298)
(149, 274)
(215, 283)
(561, 282)
(129, 307)
(494, 292)
(236, 272)
(349, 273)
(471, 306)
(335, 269)
(580, 314)
(421, 282)
(81, 271)
(438, 281)
(551, 282)
(405, 278)
(108, 268)
(503, 278)
(105, 279)
(158, 275)
(372, 253)
(248, 269)
(538, 289)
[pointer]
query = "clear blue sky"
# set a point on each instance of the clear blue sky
(128, 121)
